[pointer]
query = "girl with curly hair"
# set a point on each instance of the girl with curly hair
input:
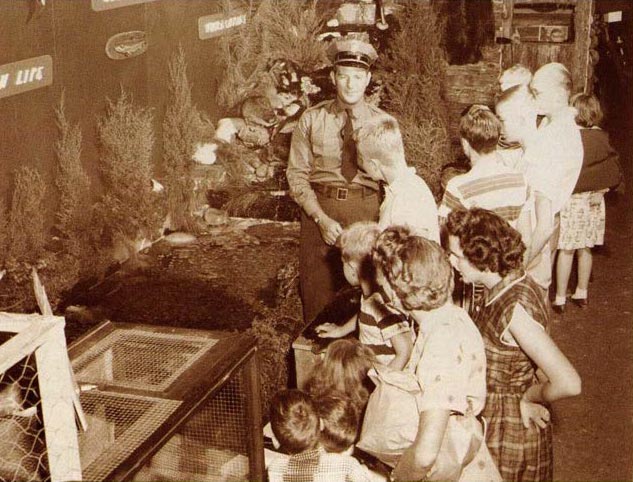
(513, 320)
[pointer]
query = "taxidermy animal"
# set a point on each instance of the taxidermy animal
(258, 110)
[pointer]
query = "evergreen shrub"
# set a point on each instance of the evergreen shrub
(413, 72)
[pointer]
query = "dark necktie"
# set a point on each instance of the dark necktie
(349, 166)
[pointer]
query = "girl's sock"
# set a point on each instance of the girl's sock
(579, 294)
(560, 300)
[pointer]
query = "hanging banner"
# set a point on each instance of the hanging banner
(211, 26)
(99, 5)
(25, 75)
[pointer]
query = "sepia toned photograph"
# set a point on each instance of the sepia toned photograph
(316, 240)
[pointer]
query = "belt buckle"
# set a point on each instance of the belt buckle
(341, 193)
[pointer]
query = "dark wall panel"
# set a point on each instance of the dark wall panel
(75, 36)
(27, 124)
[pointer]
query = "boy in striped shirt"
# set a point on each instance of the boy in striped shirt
(489, 184)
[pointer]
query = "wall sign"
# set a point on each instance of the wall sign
(99, 5)
(126, 44)
(25, 75)
(211, 26)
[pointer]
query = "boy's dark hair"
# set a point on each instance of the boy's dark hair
(481, 128)
(340, 421)
(487, 240)
(294, 421)
(589, 110)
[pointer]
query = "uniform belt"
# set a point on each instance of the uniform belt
(342, 193)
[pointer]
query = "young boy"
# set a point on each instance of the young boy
(489, 184)
(516, 108)
(408, 200)
(518, 74)
(382, 328)
(296, 425)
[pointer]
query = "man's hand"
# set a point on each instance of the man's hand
(330, 229)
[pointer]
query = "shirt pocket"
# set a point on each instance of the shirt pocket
(327, 144)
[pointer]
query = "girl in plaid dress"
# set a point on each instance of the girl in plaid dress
(513, 321)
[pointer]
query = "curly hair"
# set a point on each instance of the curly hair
(343, 368)
(487, 240)
(387, 245)
(420, 274)
(294, 421)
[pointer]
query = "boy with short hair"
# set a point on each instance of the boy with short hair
(518, 74)
(516, 108)
(489, 184)
(382, 328)
(408, 200)
(339, 422)
(296, 424)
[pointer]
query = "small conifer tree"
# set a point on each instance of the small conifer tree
(183, 127)
(74, 212)
(414, 74)
(27, 234)
(128, 208)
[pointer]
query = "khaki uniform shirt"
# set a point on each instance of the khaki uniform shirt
(316, 150)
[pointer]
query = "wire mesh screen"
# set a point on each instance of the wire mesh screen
(140, 359)
(118, 424)
(22, 442)
(213, 445)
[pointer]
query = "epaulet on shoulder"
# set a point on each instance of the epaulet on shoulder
(321, 104)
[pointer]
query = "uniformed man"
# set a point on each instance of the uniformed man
(324, 177)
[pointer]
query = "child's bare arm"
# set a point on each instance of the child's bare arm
(403, 346)
(331, 330)
(544, 228)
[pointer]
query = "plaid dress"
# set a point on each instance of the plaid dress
(521, 454)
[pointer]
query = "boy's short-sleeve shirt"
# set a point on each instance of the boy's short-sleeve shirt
(378, 323)
(495, 187)
(409, 202)
(449, 361)
(553, 159)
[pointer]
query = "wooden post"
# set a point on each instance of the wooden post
(582, 68)
(56, 392)
(250, 374)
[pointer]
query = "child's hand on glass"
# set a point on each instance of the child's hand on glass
(533, 413)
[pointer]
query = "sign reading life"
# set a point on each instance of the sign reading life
(25, 75)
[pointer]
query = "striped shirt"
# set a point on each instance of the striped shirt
(491, 186)
(377, 324)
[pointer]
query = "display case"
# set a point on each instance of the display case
(168, 403)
